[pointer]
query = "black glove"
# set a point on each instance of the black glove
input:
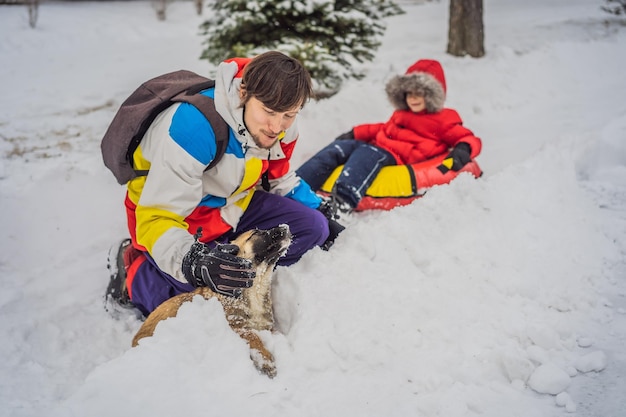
(457, 158)
(218, 268)
(347, 135)
(334, 228)
(328, 209)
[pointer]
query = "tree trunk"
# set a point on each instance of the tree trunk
(160, 6)
(455, 29)
(466, 33)
(33, 12)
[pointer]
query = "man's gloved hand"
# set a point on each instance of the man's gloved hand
(219, 269)
(457, 158)
(347, 135)
(334, 227)
(328, 209)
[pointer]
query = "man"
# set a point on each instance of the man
(181, 215)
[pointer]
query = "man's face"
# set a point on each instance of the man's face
(264, 124)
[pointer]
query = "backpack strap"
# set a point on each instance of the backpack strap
(206, 105)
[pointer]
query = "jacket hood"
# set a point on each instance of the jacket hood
(228, 105)
(426, 78)
(227, 100)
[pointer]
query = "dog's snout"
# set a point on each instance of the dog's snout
(280, 232)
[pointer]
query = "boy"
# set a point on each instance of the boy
(419, 129)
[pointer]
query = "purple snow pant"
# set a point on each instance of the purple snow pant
(151, 286)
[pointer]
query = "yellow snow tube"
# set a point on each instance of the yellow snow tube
(398, 185)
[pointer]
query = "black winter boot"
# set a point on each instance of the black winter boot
(116, 291)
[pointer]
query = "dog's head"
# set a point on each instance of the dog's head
(264, 246)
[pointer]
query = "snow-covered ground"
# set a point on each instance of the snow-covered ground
(503, 296)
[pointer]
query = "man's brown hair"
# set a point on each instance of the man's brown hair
(276, 80)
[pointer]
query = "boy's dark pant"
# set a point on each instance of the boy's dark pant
(149, 286)
(361, 161)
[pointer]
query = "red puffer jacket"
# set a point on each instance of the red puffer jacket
(415, 137)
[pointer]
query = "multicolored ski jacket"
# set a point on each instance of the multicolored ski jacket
(166, 207)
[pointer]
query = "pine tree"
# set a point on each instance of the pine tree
(329, 37)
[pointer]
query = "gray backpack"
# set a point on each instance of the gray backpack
(139, 110)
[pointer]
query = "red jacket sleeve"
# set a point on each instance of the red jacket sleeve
(454, 132)
(367, 132)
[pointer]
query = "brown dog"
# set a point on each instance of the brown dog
(252, 311)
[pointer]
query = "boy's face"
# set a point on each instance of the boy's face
(266, 125)
(415, 102)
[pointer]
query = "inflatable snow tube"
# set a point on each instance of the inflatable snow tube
(399, 185)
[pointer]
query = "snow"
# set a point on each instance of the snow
(503, 296)
(549, 379)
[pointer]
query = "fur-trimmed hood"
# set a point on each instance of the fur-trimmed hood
(426, 78)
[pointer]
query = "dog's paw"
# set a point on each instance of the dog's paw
(261, 357)
(263, 361)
